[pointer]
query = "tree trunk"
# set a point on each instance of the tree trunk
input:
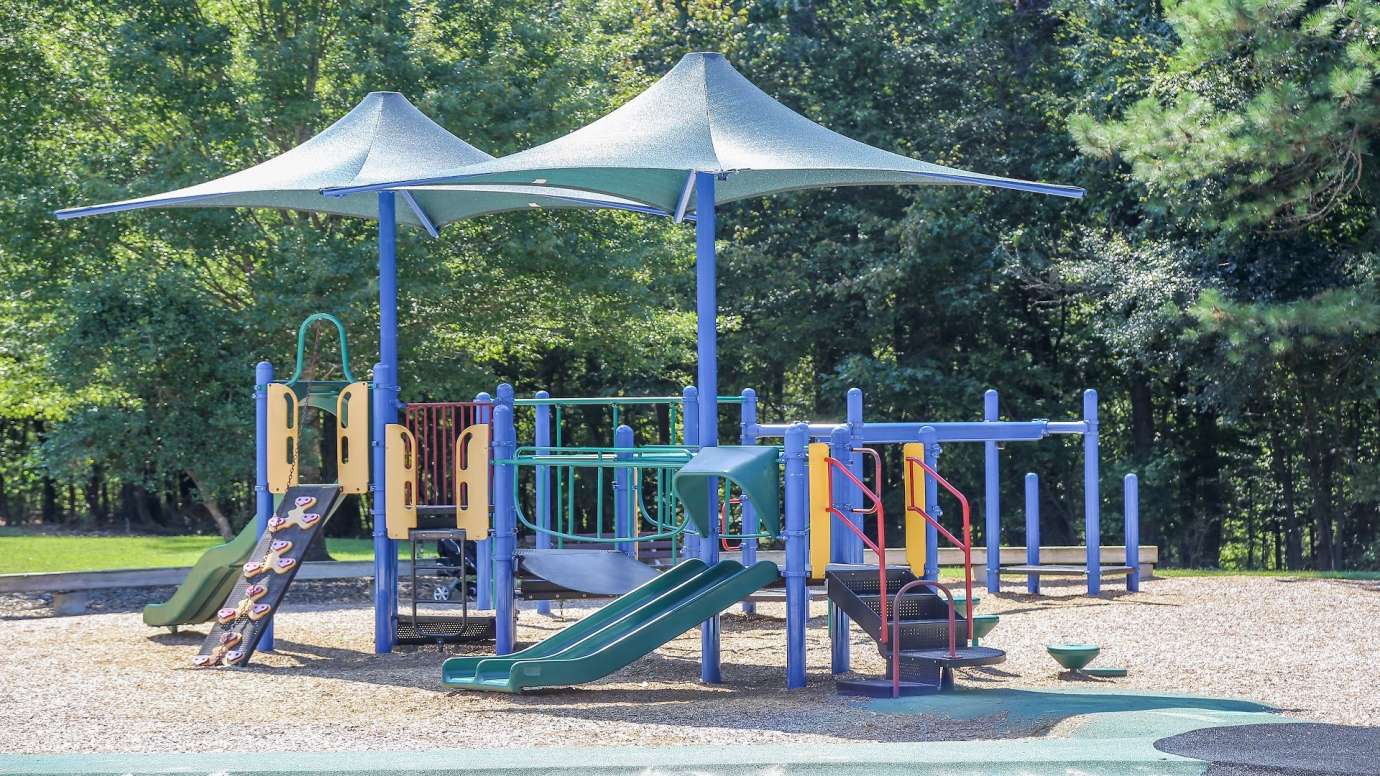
(213, 509)
(1142, 416)
(1281, 461)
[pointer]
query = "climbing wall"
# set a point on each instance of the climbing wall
(264, 580)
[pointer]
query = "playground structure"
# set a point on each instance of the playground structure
(442, 458)
(645, 156)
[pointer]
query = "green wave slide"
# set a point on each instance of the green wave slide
(616, 635)
(206, 585)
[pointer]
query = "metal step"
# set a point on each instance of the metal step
(963, 657)
(882, 688)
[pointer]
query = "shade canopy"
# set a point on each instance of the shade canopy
(704, 116)
(382, 138)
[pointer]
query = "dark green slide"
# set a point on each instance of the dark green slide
(206, 585)
(618, 634)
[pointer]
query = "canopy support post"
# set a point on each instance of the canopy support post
(385, 412)
(263, 500)
(706, 309)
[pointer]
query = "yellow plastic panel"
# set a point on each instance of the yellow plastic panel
(915, 524)
(472, 482)
(352, 438)
(400, 498)
(282, 438)
(820, 519)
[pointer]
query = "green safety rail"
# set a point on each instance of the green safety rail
(653, 465)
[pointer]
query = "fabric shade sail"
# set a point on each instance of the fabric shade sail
(382, 138)
(704, 116)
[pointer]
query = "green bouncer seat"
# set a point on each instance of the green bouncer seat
(755, 469)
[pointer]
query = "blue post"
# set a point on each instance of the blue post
(505, 526)
(1132, 496)
(542, 436)
(1092, 498)
(930, 437)
(690, 405)
(707, 311)
(263, 500)
(797, 602)
(1032, 530)
(839, 551)
(992, 497)
(385, 412)
(385, 588)
(623, 513)
(483, 551)
(747, 435)
(854, 401)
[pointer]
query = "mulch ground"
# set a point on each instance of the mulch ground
(104, 682)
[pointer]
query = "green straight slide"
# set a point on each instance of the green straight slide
(616, 635)
(206, 585)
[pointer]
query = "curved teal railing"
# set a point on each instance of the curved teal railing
(302, 346)
(662, 460)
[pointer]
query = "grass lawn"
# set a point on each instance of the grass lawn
(28, 553)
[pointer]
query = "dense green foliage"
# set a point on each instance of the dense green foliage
(1218, 285)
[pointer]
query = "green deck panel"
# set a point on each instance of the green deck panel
(755, 469)
(622, 632)
(206, 585)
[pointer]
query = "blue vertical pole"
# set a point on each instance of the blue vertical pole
(747, 435)
(1092, 498)
(839, 551)
(1132, 495)
(385, 412)
(707, 311)
(690, 401)
(1032, 530)
(930, 437)
(542, 439)
(505, 526)
(385, 607)
(797, 602)
(263, 500)
(483, 550)
(992, 497)
(623, 513)
(854, 400)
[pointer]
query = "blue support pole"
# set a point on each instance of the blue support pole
(1092, 498)
(1132, 495)
(385, 412)
(992, 497)
(542, 435)
(930, 438)
(797, 601)
(839, 552)
(748, 436)
(483, 550)
(1032, 530)
(707, 312)
(385, 580)
(690, 405)
(505, 525)
(854, 401)
(623, 512)
(263, 500)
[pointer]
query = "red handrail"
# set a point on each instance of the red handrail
(723, 524)
(879, 546)
(896, 630)
(966, 545)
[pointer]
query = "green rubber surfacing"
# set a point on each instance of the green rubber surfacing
(620, 633)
